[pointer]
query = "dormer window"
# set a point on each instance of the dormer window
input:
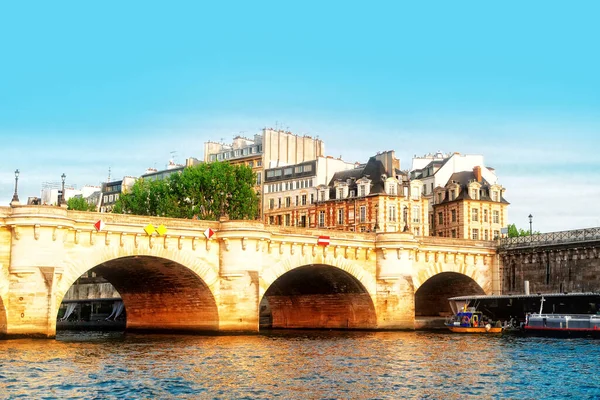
(340, 193)
(495, 195)
(391, 189)
(322, 195)
(362, 190)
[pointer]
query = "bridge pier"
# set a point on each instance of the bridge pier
(31, 303)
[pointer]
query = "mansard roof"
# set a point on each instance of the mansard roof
(372, 170)
(463, 179)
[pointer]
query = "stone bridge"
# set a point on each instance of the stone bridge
(178, 279)
(566, 261)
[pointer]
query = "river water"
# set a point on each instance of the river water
(299, 365)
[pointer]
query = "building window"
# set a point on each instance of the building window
(475, 214)
(392, 213)
(452, 195)
(340, 218)
(271, 204)
(453, 215)
(287, 219)
(486, 235)
(485, 215)
(322, 195)
(312, 198)
(440, 218)
(303, 199)
(453, 233)
(363, 213)
(496, 234)
(494, 195)
(362, 190)
(496, 216)
(340, 193)
(279, 202)
(417, 231)
(416, 214)
(392, 189)
(415, 193)
(321, 219)
(258, 178)
(288, 201)
(258, 163)
(475, 234)
(439, 197)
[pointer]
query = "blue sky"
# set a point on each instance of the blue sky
(87, 86)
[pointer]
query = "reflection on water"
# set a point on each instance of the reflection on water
(298, 364)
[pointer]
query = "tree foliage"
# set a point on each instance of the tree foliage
(205, 191)
(80, 204)
(514, 232)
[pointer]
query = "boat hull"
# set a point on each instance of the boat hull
(481, 329)
(562, 332)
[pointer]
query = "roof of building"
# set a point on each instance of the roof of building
(463, 179)
(372, 170)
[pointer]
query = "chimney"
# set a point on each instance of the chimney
(477, 172)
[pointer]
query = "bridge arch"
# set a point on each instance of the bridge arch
(323, 294)
(161, 290)
(431, 297)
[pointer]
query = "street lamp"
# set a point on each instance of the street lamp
(15, 198)
(376, 227)
(62, 196)
(530, 226)
(405, 215)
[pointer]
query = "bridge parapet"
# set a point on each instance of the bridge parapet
(550, 239)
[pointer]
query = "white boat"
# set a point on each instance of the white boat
(563, 325)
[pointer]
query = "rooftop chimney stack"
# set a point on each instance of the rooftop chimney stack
(477, 172)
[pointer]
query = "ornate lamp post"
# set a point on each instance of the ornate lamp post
(405, 216)
(376, 227)
(530, 226)
(15, 198)
(62, 196)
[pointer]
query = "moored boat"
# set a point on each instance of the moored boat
(469, 320)
(562, 325)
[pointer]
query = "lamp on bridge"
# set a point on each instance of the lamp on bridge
(530, 226)
(405, 216)
(62, 196)
(15, 198)
(376, 227)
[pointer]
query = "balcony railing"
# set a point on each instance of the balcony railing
(551, 238)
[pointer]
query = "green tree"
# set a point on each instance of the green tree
(80, 204)
(514, 232)
(205, 191)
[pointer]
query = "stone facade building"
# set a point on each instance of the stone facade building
(456, 185)
(469, 207)
(374, 197)
(290, 191)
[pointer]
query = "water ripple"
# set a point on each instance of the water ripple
(298, 365)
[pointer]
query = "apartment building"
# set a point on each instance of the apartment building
(290, 191)
(437, 171)
(268, 149)
(373, 197)
(469, 207)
